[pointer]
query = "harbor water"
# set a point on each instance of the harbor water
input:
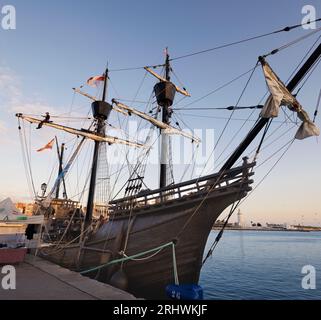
(262, 265)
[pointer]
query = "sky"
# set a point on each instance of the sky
(58, 45)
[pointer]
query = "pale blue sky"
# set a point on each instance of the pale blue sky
(58, 45)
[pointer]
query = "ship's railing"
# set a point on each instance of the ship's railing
(183, 189)
(66, 203)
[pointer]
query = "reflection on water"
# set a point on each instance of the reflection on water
(261, 265)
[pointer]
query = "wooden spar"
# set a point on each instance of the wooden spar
(178, 89)
(120, 111)
(84, 133)
(94, 99)
(263, 121)
(159, 124)
(84, 94)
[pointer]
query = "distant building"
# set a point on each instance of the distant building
(220, 224)
(240, 221)
(276, 226)
(305, 228)
(25, 208)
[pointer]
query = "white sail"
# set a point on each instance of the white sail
(280, 96)
(84, 133)
(159, 124)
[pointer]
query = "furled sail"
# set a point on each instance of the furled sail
(159, 124)
(280, 96)
(83, 132)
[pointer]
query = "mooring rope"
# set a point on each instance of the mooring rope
(138, 255)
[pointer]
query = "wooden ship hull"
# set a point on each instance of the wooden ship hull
(184, 213)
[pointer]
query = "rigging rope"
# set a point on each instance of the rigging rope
(286, 29)
(267, 127)
(220, 234)
(31, 193)
(252, 152)
(235, 206)
(26, 155)
(291, 43)
(231, 115)
(308, 76)
(317, 107)
(289, 144)
(220, 88)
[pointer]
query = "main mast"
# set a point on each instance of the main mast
(101, 110)
(165, 94)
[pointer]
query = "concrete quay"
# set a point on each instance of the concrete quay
(38, 279)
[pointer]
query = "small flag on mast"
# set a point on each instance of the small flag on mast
(94, 81)
(48, 146)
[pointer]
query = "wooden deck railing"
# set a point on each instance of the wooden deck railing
(183, 189)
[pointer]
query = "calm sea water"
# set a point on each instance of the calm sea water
(262, 265)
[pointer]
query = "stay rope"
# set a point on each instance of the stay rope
(317, 107)
(285, 29)
(26, 159)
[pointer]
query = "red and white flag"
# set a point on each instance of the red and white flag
(94, 81)
(48, 146)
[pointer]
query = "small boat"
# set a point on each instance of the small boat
(12, 256)
(13, 225)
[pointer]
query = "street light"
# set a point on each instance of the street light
(44, 189)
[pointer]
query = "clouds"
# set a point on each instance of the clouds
(11, 92)
(4, 133)
(13, 100)
(9, 85)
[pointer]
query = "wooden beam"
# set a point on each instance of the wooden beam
(178, 89)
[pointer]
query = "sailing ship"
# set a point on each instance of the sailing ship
(154, 238)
